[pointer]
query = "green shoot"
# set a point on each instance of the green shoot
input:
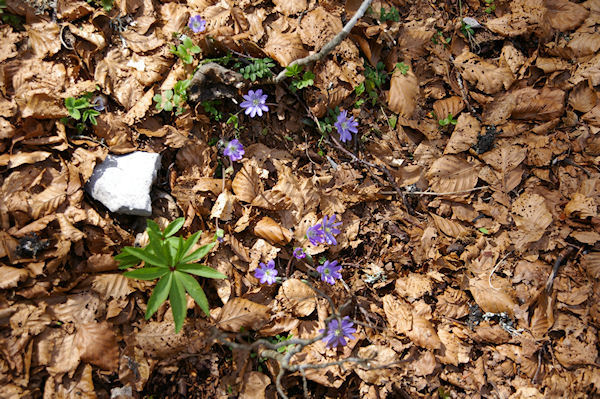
(186, 50)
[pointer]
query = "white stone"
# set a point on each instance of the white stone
(122, 182)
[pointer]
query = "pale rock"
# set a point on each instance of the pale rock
(122, 182)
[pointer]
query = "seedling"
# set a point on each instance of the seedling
(374, 79)
(173, 99)
(491, 6)
(81, 110)
(167, 257)
(449, 120)
(438, 37)
(467, 30)
(389, 15)
(258, 69)
(185, 50)
(107, 5)
(300, 80)
(209, 108)
(402, 68)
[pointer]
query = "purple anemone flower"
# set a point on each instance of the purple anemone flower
(299, 253)
(328, 227)
(234, 150)
(266, 273)
(330, 271)
(197, 24)
(337, 334)
(315, 234)
(345, 126)
(255, 103)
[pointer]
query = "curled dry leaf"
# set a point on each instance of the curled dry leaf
(591, 262)
(403, 94)
(565, 15)
(453, 303)
(398, 313)
(241, 313)
(464, 135)
(270, 230)
(284, 47)
(43, 37)
(11, 276)
(453, 350)
(379, 369)
(449, 227)
(581, 206)
(423, 334)
(223, 207)
(531, 216)
(111, 285)
(413, 286)
(299, 296)
(487, 77)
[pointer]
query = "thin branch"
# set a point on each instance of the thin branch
(436, 194)
(333, 43)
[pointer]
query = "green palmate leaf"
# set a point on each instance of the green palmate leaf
(172, 246)
(200, 270)
(178, 301)
(147, 273)
(146, 256)
(173, 227)
(159, 295)
(199, 253)
(193, 288)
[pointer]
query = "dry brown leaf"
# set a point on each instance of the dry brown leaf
(403, 94)
(448, 106)
(255, 384)
(270, 230)
(487, 77)
(453, 350)
(223, 207)
(284, 47)
(452, 303)
(413, 286)
(583, 98)
(43, 37)
(450, 174)
(299, 296)
(246, 184)
(490, 299)
(591, 262)
(398, 313)
(543, 105)
(423, 334)
(11, 276)
(531, 216)
(581, 206)
(564, 15)
(241, 313)
(80, 386)
(8, 45)
(381, 364)
(449, 227)
(112, 285)
(542, 318)
(97, 344)
(464, 135)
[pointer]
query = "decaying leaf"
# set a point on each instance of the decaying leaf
(299, 297)
(270, 230)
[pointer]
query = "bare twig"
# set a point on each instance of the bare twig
(333, 43)
(436, 194)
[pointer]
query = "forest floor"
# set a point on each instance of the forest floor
(470, 235)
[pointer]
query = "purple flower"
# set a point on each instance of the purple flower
(337, 334)
(330, 271)
(266, 273)
(315, 234)
(299, 253)
(345, 126)
(234, 150)
(329, 229)
(255, 103)
(197, 24)
(99, 102)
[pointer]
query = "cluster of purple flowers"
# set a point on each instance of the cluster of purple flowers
(323, 232)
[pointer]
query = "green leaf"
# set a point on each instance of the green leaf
(200, 270)
(173, 227)
(186, 246)
(126, 260)
(199, 253)
(75, 114)
(147, 273)
(178, 302)
(70, 102)
(146, 256)
(193, 288)
(159, 295)
(484, 230)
